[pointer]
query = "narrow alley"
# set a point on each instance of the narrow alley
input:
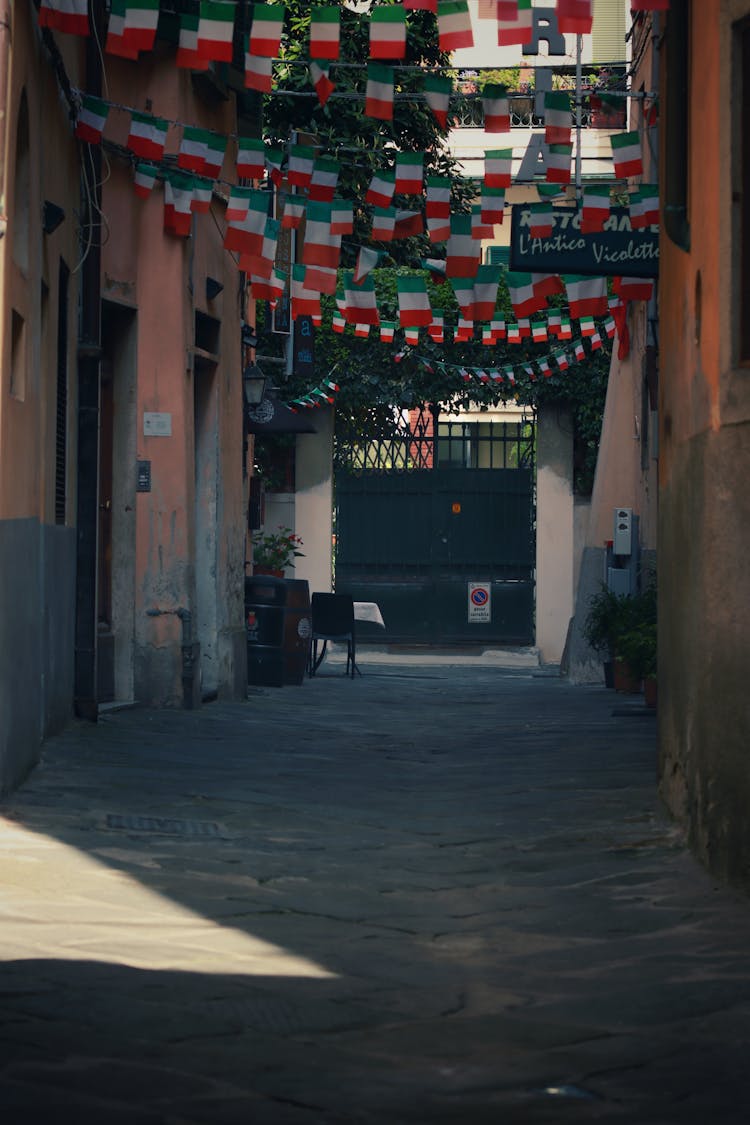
(436, 893)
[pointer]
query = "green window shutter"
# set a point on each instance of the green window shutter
(498, 255)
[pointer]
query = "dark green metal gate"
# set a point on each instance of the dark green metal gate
(423, 515)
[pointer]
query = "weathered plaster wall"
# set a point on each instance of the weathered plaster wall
(554, 532)
(315, 502)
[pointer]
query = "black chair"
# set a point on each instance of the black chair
(332, 620)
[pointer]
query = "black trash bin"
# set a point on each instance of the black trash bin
(278, 628)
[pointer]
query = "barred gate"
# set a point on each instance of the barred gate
(426, 510)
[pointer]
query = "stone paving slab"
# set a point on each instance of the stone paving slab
(443, 892)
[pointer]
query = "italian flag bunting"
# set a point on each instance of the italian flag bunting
(436, 330)
(338, 324)
(274, 162)
(192, 149)
(550, 191)
(547, 284)
(609, 326)
(305, 302)
(524, 327)
(251, 158)
(409, 173)
(379, 92)
(498, 164)
(387, 33)
(496, 109)
(557, 117)
(454, 25)
(202, 192)
(492, 205)
(575, 17)
(188, 55)
(383, 224)
(322, 84)
(70, 16)
(92, 117)
(362, 331)
(497, 327)
(325, 32)
(587, 326)
(595, 341)
(587, 296)
(545, 368)
(439, 230)
(509, 373)
(246, 234)
(342, 217)
(266, 29)
(258, 73)
(408, 223)
(261, 264)
(178, 199)
(269, 288)
(238, 203)
(541, 220)
(523, 297)
(367, 260)
(438, 199)
(325, 177)
(566, 332)
(213, 157)
(561, 360)
(387, 331)
(558, 164)
(420, 5)
(539, 332)
(359, 300)
(434, 266)
(147, 136)
(486, 285)
(518, 28)
(644, 206)
(462, 252)
(321, 248)
(145, 178)
(595, 208)
(413, 302)
(634, 288)
(301, 163)
(463, 291)
(411, 336)
(216, 30)
(514, 334)
(553, 322)
(579, 352)
(487, 336)
(480, 228)
(321, 278)
(115, 42)
(437, 92)
(381, 189)
(141, 18)
(626, 154)
(530, 372)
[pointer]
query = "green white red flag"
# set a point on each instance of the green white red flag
(579, 352)
(454, 25)
(411, 336)
(342, 216)
(383, 224)
(558, 164)
(359, 300)
(269, 288)
(463, 252)
(439, 230)
(216, 30)
(147, 136)
(644, 206)
(69, 16)
(496, 108)
(492, 205)
(305, 302)
(498, 165)
(139, 29)
(408, 223)
(246, 234)
(321, 278)
(545, 368)
(438, 198)
(409, 172)
(518, 28)
(626, 154)
(587, 296)
(202, 192)
(553, 322)
(367, 260)
(261, 265)
(319, 76)
(541, 220)
(437, 92)
(514, 334)
(557, 117)
(321, 247)
(566, 332)
(480, 228)
(587, 326)
(596, 341)
(338, 324)
(561, 360)
(381, 189)
(274, 162)
(144, 179)
(238, 203)
(539, 332)
(379, 92)
(188, 55)
(178, 199)
(362, 331)
(92, 117)
(115, 42)
(301, 164)
(387, 32)
(595, 208)
(486, 285)
(387, 331)
(251, 158)
(325, 177)
(634, 288)
(325, 32)
(547, 284)
(523, 296)
(266, 29)
(258, 73)
(413, 301)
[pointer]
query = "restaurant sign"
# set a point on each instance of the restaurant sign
(615, 251)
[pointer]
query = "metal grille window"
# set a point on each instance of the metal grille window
(485, 445)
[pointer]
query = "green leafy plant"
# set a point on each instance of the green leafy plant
(608, 618)
(623, 627)
(638, 648)
(276, 550)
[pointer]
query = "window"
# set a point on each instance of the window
(484, 445)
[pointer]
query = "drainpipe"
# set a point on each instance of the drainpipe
(89, 360)
(4, 89)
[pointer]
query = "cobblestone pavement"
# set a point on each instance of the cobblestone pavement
(438, 893)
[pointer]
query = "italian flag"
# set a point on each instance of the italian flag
(192, 149)
(587, 296)
(437, 92)
(518, 28)
(321, 82)
(435, 266)
(258, 73)
(541, 220)
(338, 324)
(633, 288)
(367, 260)
(530, 372)
(464, 331)
(595, 208)
(566, 332)
(523, 297)
(301, 164)
(251, 158)
(492, 205)
(362, 331)
(497, 327)
(561, 360)
(575, 17)
(553, 322)
(558, 164)
(359, 300)
(379, 92)
(238, 203)
(321, 248)
(387, 331)
(547, 284)
(539, 332)
(595, 341)
(409, 172)
(274, 161)
(115, 43)
(383, 224)
(408, 223)
(70, 16)
(524, 326)
(387, 33)
(381, 189)
(321, 278)
(644, 206)
(463, 291)
(147, 136)
(509, 374)
(587, 326)
(579, 352)
(145, 178)
(487, 336)
(420, 5)
(266, 29)
(439, 229)
(480, 228)
(413, 301)
(626, 154)
(178, 198)
(557, 117)
(342, 217)
(496, 109)
(202, 192)
(438, 204)
(550, 191)
(268, 249)
(325, 177)
(411, 336)
(305, 302)
(462, 251)
(188, 55)
(141, 18)
(498, 164)
(486, 285)
(246, 234)
(545, 368)
(268, 288)
(436, 330)
(514, 334)
(216, 30)
(454, 25)
(325, 32)
(92, 117)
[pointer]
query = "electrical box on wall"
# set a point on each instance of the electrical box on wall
(622, 540)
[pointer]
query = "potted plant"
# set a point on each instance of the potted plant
(606, 621)
(638, 649)
(273, 551)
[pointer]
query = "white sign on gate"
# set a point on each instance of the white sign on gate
(480, 601)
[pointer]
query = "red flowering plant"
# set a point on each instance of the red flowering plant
(276, 550)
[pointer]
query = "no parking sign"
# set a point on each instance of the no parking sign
(480, 601)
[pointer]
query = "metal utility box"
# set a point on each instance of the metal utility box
(622, 541)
